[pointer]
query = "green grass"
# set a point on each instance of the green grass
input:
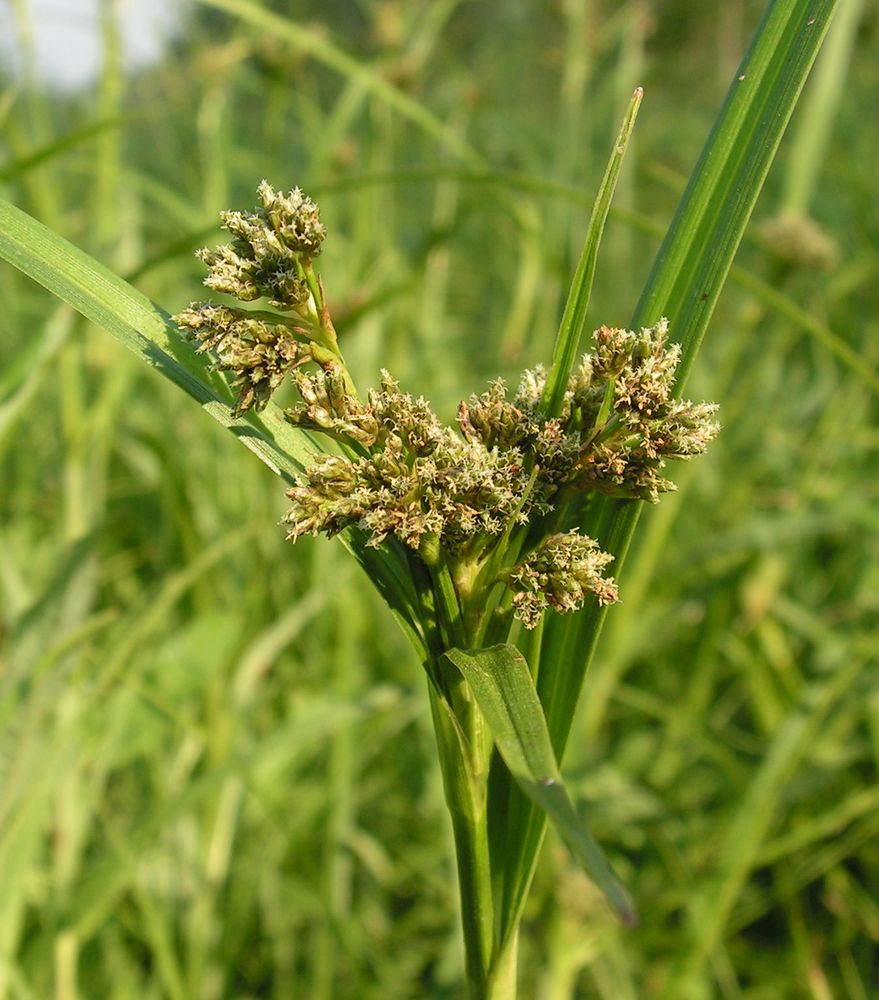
(217, 776)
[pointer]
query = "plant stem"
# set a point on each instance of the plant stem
(502, 981)
(464, 764)
(464, 744)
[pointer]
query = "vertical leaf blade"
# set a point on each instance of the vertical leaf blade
(684, 285)
(698, 250)
(573, 322)
(691, 267)
(502, 685)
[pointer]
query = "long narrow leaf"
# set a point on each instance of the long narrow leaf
(684, 285)
(693, 261)
(142, 327)
(691, 267)
(502, 685)
(573, 323)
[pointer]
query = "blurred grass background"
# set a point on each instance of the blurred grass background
(217, 777)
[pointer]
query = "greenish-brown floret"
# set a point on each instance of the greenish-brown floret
(268, 251)
(329, 406)
(258, 352)
(559, 574)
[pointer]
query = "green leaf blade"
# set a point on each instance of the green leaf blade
(146, 330)
(503, 688)
(684, 285)
(573, 322)
(692, 264)
(689, 272)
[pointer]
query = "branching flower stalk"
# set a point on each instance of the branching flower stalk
(482, 507)
(270, 256)
(460, 497)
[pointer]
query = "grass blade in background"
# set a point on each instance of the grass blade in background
(57, 147)
(746, 833)
(313, 43)
(819, 109)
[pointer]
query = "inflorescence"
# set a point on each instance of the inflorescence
(468, 491)
(269, 256)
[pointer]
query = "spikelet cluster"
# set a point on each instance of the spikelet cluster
(559, 574)
(260, 354)
(505, 462)
(420, 480)
(399, 472)
(268, 256)
(618, 426)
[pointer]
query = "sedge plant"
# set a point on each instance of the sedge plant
(491, 540)
(483, 517)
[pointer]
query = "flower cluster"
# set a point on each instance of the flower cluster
(505, 463)
(266, 256)
(619, 422)
(269, 256)
(259, 353)
(420, 482)
(559, 574)
(469, 491)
